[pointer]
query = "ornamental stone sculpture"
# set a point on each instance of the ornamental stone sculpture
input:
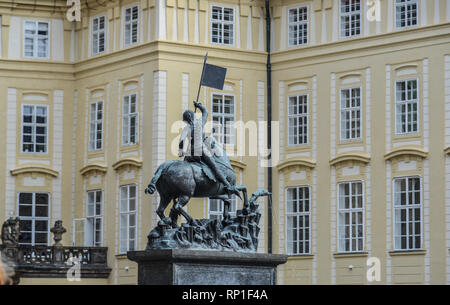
(58, 230)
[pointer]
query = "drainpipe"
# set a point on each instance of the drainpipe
(269, 127)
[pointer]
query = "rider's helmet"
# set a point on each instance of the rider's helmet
(188, 116)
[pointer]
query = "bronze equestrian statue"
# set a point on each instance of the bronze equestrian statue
(205, 172)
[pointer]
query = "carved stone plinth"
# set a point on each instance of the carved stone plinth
(202, 267)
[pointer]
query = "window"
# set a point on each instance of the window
(216, 208)
(298, 214)
(350, 217)
(298, 26)
(407, 213)
(406, 106)
(130, 120)
(350, 18)
(96, 126)
(94, 218)
(131, 25)
(405, 13)
(351, 114)
(98, 35)
(34, 129)
(223, 118)
(128, 218)
(298, 120)
(222, 25)
(33, 213)
(36, 39)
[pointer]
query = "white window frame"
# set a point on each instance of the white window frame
(95, 218)
(126, 120)
(96, 33)
(299, 25)
(131, 22)
(35, 218)
(396, 208)
(222, 24)
(299, 117)
(351, 111)
(33, 126)
(36, 37)
(218, 214)
(406, 102)
(93, 135)
(222, 116)
(128, 213)
(351, 211)
(350, 15)
(406, 4)
(306, 237)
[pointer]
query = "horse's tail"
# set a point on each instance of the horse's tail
(151, 188)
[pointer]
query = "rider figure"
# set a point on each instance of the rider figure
(198, 148)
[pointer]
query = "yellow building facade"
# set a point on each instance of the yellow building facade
(360, 133)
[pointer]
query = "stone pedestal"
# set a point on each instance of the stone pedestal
(200, 267)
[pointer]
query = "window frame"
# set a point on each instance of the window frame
(233, 127)
(125, 23)
(95, 217)
(219, 214)
(98, 32)
(35, 39)
(405, 4)
(96, 122)
(34, 125)
(407, 206)
(33, 218)
(128, 213)
(303, 116)
(397, 133)
(350, 14)
(298, 215)
(351, 210)
(297, 24)
(222, 22)
(126, 139)
(351, 109)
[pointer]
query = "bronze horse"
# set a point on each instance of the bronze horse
(181, 180)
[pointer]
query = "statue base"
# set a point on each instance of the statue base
(200, 267)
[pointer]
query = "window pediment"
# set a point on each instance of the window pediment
(350, 156)
(93, 167)
(294, 162)
(32, 169)
(406, 151)
(127, 162)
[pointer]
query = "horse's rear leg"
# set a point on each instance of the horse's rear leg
(163, 203)
(178, 207)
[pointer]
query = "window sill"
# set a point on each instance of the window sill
(121, 256)
(350, 254)
(296, 257)
(407, 252)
